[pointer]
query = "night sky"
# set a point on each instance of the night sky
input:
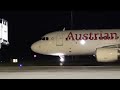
(26, 27)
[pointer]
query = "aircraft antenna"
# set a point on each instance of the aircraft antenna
(71, 20)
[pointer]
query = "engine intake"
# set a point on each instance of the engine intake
(107, 54)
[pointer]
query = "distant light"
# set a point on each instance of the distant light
(15, 60)
(20, 65)
(35, 56)
(82, 42)
(1, 61)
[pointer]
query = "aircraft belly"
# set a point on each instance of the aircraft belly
(77, 49)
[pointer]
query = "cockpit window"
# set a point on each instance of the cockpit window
(0, 20)
(44, 38)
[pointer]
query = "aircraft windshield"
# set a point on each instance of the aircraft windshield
(0, 20)
(44, 38)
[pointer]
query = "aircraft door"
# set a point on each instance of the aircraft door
(59, 39)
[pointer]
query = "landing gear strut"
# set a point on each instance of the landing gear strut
(62, 59)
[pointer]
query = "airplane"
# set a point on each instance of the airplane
(104, 44)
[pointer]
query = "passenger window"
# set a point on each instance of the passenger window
(52, 38)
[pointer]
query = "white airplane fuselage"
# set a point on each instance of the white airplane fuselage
(76, 42)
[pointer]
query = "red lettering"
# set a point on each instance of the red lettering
(112, 35)
(101, 37)
(96, 36)
(78, 38)
(91, 38)
(70, 36)
(85, 36)
(106, 37)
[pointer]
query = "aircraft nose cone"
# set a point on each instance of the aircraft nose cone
(35, 47)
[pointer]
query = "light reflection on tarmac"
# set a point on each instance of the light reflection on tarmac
(60, 72)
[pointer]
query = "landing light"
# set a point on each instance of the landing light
(62, 59)
(61, 64)
(82, 42)
(57, 54)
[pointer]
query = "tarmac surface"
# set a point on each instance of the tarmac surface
(60, 72)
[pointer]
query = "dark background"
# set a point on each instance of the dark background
(26, 27)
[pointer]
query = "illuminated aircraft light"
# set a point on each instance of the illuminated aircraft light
(61, 64)
(35, 56)
(56, 54)
(20, 65)
(82, 42)
(62, 59)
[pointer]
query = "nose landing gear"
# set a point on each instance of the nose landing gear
(62, 59)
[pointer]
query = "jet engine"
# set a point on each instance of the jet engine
(107, 54)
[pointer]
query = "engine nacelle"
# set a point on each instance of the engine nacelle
(107, 54)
